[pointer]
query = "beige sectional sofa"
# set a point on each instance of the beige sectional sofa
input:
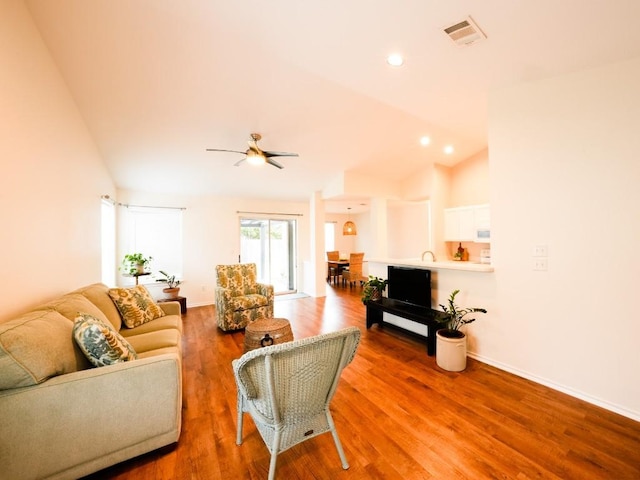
(60, 417)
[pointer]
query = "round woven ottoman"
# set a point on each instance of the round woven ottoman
(265, 332)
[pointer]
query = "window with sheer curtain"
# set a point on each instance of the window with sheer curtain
(155, 232)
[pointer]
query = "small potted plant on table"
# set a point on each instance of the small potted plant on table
(373, 289)
(451, 342)
(172, 289)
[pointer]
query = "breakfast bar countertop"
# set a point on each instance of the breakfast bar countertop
(444, 265)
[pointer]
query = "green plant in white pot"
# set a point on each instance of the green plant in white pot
(135, 263)
(451, 342)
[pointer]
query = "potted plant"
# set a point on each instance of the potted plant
(135, 263)
(172, 290)
(373, 289)
(451, 342)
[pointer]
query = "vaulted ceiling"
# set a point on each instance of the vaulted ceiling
(159, 81)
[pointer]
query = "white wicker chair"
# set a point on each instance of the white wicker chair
(287, 388)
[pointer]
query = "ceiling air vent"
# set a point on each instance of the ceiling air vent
(465, 32)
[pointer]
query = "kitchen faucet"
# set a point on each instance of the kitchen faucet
(432, 255)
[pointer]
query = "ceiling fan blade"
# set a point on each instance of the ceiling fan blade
(271, 161)
(237, 164)
(278, 154)
(221, 150)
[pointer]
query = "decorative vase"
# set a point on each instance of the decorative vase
(140, 268)
(171, 292)
(376, 294)
(451, 351)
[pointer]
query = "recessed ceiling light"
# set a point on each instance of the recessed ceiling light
(448, 149)
(395, 60)
(424, 141)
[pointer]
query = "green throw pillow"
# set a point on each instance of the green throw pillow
(136, 306)
(100, 342)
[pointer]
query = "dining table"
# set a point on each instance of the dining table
(339, 265)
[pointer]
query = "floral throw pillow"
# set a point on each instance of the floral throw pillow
(100, 343)
(136, 306)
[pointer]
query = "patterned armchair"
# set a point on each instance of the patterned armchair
(240, 299)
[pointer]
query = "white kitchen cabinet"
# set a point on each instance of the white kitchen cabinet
(482, 215)
(459, 224)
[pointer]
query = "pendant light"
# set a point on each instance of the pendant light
(349, 227)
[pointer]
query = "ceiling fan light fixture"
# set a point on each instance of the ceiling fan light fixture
(395, 60)
(255, 158)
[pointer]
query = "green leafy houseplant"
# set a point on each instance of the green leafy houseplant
(457, 317)
(133, 263)
(170, 280)
(373, 288)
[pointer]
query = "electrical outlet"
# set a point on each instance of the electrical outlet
(540, 251)
(204, 288)
(540, 263)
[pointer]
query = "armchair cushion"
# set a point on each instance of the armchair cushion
(246, 302)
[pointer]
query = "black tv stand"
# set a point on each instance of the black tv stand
(433, 319)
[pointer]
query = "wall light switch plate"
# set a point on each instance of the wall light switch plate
(540, 264)
(540, 251)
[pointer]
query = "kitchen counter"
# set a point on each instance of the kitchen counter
(427, 265)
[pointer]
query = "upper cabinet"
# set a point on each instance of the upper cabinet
(461, 224)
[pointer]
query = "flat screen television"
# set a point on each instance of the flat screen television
(412, 285)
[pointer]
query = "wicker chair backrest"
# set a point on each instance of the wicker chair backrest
(292, 381)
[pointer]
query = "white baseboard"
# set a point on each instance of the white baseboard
(561, 388)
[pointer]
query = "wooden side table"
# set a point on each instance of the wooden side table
(181, 300)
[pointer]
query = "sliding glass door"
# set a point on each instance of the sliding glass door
(271, 245)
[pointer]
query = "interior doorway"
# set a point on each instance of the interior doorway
(271, 245)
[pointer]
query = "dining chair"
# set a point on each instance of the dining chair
(287, 389)
(333, 271)
(354, 273)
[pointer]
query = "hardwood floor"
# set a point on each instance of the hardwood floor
(399, 416)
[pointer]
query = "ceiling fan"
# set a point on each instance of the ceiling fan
(256, 156)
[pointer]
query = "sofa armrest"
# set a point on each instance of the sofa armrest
(81, 422)
(170, 308)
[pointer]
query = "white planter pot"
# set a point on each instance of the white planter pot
(451, 353)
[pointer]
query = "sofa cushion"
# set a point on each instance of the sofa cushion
(36, 346)
(135, 304)
(146, 342)
(98, 294)
(71, 304)
(100, 342)
(168, 321)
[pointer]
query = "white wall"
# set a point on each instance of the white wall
(408, 233)
(52, 174)
(211, 235)
(470, 181)
(565, 173)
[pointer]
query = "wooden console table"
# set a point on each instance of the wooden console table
(433, 319)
